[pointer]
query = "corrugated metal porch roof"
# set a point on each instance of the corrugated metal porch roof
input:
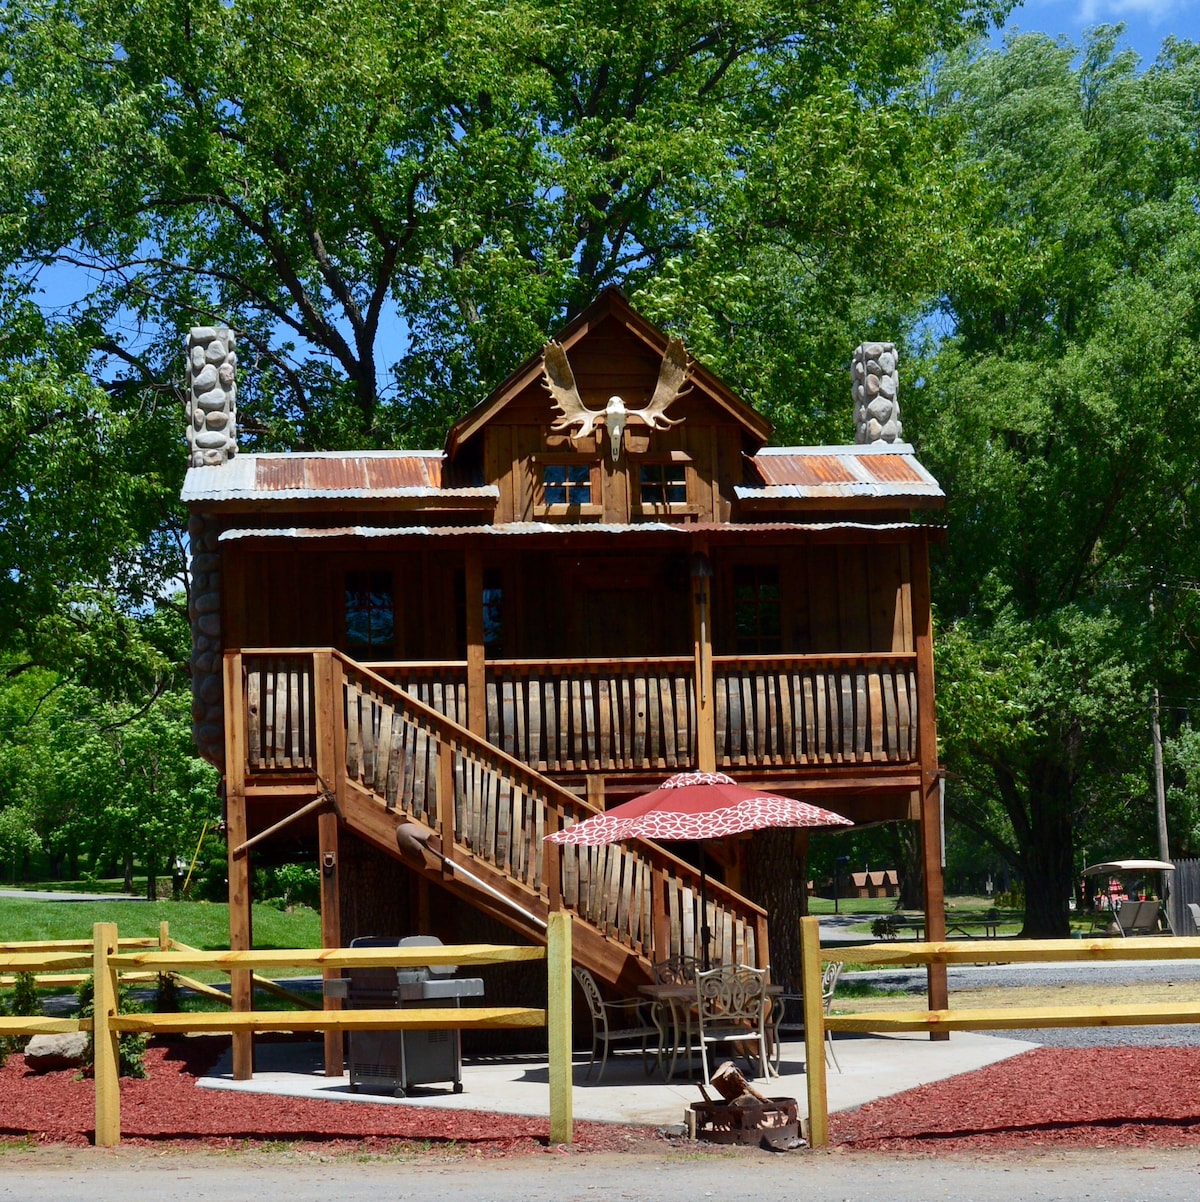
(887, 470)
(328, 475)
(526, 529)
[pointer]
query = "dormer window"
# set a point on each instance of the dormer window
(663, 484)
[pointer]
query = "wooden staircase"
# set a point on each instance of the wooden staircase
(397, 759)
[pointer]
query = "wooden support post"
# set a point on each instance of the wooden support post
(931, 813)
(706, 731)
(558, 1025)
(107, 1066)
(240, 932)
(331, 927)
(476, 670)
(327, 841)
(762, 941)
(594, 784)
(814, 1033)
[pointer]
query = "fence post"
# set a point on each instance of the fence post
(814, 1032)
(107, 1065)
(558, 1024)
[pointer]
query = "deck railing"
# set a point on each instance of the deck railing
(616, 715)
(623, 715)
(802, 710)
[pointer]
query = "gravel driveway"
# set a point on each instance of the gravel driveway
(1185, 973)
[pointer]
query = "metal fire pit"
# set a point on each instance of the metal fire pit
(747, 1121)
(398, 1060)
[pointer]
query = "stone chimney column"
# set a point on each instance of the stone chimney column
(212, 441)
(876, 390)
(212, 396)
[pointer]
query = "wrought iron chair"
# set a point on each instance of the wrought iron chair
(676, 970)
(1194, 911)
(615, 1023)
(731, 1006)
(787, 1015)
(675, 1018)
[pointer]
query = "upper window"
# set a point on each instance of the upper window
(370, 613)
(756, 609)
(566, 484)
(663, 484)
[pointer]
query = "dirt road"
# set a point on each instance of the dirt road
(49, 1175)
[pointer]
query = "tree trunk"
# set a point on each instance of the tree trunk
(1047, 859)
(906, 837)
(776, 879)
(128, 864)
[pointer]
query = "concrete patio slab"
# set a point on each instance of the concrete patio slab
(872, 1067)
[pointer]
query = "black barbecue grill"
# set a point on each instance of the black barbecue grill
(398, 1060)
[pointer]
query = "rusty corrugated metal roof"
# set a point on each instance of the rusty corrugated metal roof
(328, 475)
(881, 470)
(339, 473)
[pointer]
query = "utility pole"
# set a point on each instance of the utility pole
(1160, 791)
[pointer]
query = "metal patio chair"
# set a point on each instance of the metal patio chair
(731, 1007)
(787, 1016)
(622, 1022)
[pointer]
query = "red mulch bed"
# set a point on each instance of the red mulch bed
(167, 1110)
(1052, 1097)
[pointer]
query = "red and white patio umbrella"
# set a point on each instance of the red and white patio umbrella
(696, 806)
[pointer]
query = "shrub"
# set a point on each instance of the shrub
(24, 1001)
(131, 1047)
(289, 885)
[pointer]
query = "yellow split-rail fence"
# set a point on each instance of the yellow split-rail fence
(1002, 951)
(109, 959)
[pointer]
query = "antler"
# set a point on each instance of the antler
(669, 389)
(560, 381)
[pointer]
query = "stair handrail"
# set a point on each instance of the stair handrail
(463, 738)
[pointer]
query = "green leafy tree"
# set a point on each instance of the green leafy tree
(1052, 415)
(393, 203)
(100, 783)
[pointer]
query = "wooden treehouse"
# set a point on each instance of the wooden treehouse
(606, 576)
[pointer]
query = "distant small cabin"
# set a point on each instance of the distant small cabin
(884, 882)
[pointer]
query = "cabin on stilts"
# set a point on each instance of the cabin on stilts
(606, 576)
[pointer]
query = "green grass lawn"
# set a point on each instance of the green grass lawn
(203, 925)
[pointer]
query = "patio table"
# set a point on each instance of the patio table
(673, 1014)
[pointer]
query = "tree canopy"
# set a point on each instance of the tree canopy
(1053, 416)
(394, 204)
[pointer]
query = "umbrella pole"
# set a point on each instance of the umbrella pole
(705, 933)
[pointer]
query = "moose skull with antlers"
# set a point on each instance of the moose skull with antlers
(575, 415)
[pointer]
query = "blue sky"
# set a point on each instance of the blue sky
(1148, 22)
